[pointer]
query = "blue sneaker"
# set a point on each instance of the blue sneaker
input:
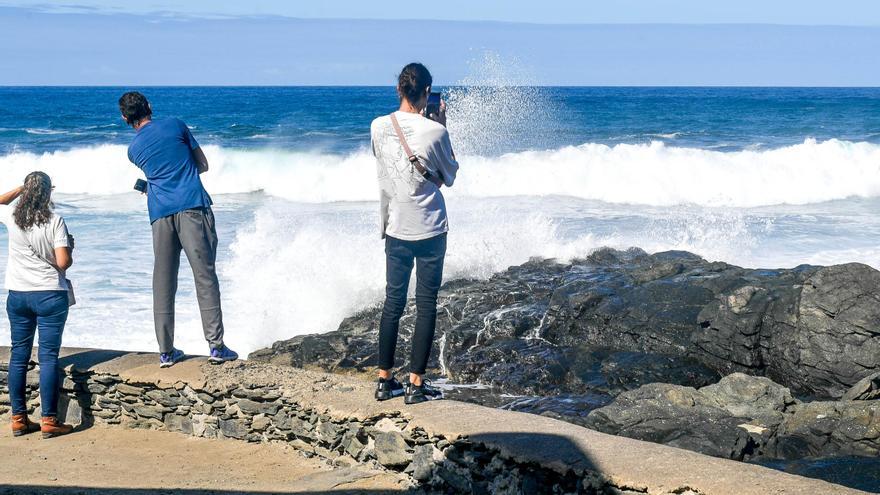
(167, 359)
(222, 354)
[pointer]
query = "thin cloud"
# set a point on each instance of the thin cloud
(79, 9)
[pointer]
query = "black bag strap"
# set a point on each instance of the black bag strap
(44, 260)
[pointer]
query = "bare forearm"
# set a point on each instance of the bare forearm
(201, 160)
(63, 258)
(10, 196)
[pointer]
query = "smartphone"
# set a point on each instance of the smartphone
(433, 107)
(141, 186)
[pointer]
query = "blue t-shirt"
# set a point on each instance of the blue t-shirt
(163, 150)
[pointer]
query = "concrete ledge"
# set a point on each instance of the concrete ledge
(443, 445)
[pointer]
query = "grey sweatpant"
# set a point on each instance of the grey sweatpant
(194, 232)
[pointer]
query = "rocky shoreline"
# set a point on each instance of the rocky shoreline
(739, 363)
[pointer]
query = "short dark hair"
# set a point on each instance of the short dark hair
(412, 82)
(134, 107)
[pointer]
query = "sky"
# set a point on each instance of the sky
(553, 42)
(797, 12)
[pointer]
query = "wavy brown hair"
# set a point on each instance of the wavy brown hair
(34, 206)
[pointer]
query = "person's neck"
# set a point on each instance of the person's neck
(142, 123)
(407, 107)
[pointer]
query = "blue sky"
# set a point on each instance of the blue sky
(263, 42)
(798, 12)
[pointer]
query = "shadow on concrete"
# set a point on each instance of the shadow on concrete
(533, 452)
(86, 359)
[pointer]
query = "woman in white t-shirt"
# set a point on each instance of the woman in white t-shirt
(40, 250)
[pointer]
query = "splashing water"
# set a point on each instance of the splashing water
(495, 106)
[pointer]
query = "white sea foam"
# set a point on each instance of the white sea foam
(307, 255)
(295, 268)
(648, 174)
(44, 132)
(299, 271)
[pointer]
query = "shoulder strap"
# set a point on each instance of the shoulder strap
(44, 260)
(413, 159)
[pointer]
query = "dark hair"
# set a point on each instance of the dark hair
(412, 82)
(134, 107)
(35, 203)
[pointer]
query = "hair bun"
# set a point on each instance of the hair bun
(413, 81)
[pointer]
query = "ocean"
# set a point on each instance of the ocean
(759, 177)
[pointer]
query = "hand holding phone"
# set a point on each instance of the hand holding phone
(436, 108)
(141, 186)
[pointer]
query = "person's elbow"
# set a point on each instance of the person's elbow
(449, 178)
(63, 258)
(201, 160)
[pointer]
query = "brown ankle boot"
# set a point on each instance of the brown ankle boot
(22, 425)
(51, 427)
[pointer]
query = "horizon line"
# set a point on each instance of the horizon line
(597, 86)
(166, 14)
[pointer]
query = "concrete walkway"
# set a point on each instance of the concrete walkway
(119, 461)
(639, 466)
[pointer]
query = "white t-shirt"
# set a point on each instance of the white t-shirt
(25, 271)
(412, 208)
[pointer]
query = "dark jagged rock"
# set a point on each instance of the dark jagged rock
(813, 329)
(488, 332)
(868, 388)
(743, 417)
(544, 328)
(674, 415)
(826, 429)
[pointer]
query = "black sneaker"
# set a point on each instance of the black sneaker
(421, 393)
(388, 389)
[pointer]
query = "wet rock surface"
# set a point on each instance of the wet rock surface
(544, 327)
(635, 344)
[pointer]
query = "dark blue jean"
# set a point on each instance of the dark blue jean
(428, 256)
(46, 309)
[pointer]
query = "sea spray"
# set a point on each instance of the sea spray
(496, 106)
(302, 270)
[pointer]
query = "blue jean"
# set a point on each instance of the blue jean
(46, 309)
(428, 256)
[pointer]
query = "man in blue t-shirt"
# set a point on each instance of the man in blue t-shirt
(181, 217)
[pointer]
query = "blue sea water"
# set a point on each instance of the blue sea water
(761, 177)
(333, 119)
